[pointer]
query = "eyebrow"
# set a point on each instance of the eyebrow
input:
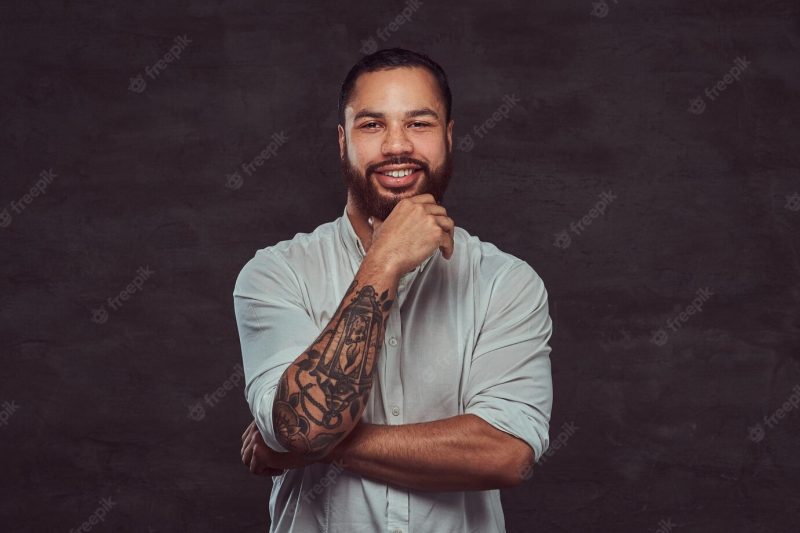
(409, 114)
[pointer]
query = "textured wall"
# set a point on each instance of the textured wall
(647, 168)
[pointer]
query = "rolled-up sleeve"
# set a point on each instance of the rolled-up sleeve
(274, 329)
(510, 383)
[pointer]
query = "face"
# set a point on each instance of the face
(395, 143)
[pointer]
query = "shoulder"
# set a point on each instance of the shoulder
(280, 262)
(494, 268)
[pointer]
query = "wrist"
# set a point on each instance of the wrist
(376, 263)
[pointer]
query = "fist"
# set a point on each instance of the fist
(412, 232)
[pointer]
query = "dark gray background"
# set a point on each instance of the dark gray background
(702, 200)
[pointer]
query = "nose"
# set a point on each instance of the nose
(396, 142)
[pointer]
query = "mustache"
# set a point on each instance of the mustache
(397, 161)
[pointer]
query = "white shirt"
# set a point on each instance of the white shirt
(465, 335)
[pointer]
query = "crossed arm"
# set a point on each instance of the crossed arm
(321, 395)
(459, 453)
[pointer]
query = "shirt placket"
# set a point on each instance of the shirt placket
(397, 498)
(398, 502)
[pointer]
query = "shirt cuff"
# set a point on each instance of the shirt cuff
(260, 392)
(517, 423)
(263, 418)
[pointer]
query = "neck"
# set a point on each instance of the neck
(359, 222)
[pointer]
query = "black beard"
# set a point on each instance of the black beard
(370, 203)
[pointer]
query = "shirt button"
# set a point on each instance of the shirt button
(393, 341)
(396, 411)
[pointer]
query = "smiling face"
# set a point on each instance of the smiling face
(395, 142)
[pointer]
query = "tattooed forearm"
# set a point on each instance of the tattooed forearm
(321, 396)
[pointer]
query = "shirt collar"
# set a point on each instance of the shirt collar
(356, 250)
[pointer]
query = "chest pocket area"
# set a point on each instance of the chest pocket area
(432, 361)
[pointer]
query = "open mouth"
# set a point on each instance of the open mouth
(397, 177)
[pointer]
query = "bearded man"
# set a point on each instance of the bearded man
(396, 366)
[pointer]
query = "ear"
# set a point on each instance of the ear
(341, 141)
(450, 135)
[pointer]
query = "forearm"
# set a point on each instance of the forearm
(459, 453)
(321, 396)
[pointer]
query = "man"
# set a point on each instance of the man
(396, 366)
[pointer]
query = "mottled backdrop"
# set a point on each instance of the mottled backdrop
(641, 156)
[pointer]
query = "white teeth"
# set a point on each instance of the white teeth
(399, 173)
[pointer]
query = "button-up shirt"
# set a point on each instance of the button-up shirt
(464, 335)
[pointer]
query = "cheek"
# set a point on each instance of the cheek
(363, 155)
(430, 149)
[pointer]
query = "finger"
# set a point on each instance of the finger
(446, 241)
(426, 198)
(249, 427)
(445, 222)
(254, 459)
(251, 439)
(247, 453)
(375, 222)
(435, 209)
(247, 442)
(446, 246)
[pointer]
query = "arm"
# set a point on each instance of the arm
(508, 400)
(321, 396)
(304, 405)
(459, 453)
(507, 403)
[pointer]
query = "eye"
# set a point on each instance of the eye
(370, 125)
(420, 124)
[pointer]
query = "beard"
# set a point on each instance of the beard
(370, 202)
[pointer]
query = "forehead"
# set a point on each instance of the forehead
(395, 91)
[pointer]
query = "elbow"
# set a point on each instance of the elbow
(306, 445)
(297, 434)
(508, 470)
(519, 466)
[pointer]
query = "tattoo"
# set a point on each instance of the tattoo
(333, 378)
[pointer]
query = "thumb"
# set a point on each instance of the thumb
(375, 222)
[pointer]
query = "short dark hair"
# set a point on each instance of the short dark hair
(390, 58)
